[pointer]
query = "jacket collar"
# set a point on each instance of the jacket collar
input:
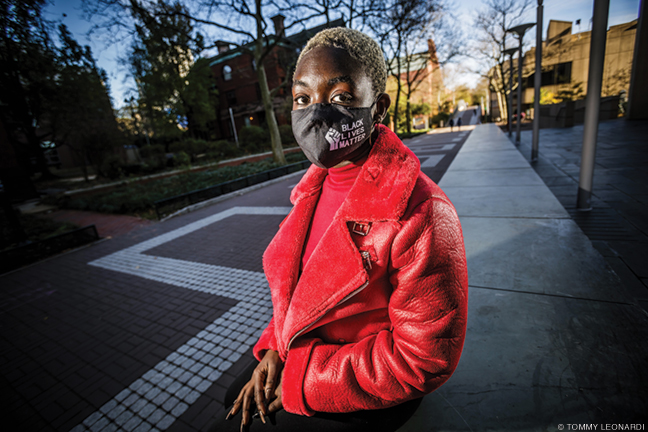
(383, 187)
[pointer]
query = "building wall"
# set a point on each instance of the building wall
(242, 92)
(562, 46)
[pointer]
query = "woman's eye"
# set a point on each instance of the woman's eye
(342, 98)
(300, 100)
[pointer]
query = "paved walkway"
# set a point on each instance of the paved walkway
(108, 225)
(146, 331)
(553, 337)
(618, 222)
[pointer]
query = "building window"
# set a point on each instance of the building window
(551, 75)
(227, 73)
(231, 97)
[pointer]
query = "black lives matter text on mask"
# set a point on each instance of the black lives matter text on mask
(351, 134)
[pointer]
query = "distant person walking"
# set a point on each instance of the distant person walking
(451, 124)
(459, 124)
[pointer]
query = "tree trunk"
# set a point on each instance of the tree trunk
(41, 162)
(275, 137)
(408, 116)
(84, 166)
(273, 127)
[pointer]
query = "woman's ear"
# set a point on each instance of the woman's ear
(382, 105)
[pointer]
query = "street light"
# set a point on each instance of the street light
(519, 30)
(537, 83)
(509, 52)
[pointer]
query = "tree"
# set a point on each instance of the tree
(200, 97)
(243, 23)
(81, 115)
(27, 71)
(401, 26)
(161, 62)
(352, 11)
(492, 23)
(415, 73)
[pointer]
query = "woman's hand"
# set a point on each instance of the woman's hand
(264, 387)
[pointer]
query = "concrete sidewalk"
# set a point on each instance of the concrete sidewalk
(617, 225)
(553, 336)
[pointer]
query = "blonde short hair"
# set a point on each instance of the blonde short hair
(359, 46)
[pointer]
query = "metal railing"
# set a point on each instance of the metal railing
(168, 206)
(14, 258)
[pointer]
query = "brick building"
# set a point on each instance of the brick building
(423, 72)
(238, 86)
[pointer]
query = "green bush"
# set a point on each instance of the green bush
(436, 120)
(287, 136)
(139, 198)
(181, 159)
(223, 150)
(154, 163)
(254, 139)
(111, 167)
(151, 150)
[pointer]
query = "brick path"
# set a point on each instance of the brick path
(146, 331)
(108, 225)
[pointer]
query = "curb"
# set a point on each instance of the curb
(229, 195)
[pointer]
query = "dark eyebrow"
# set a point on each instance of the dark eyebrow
(342, 79)
(299, 83)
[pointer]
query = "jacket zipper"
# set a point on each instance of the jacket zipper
(302, 331)
(366, 258)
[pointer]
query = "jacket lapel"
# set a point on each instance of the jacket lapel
(335, 269)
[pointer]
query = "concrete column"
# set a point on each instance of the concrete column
(519, 94)
(593, 103)
(638, 94)
(537, 82)
(509, 52)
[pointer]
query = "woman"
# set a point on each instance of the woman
(367, 273)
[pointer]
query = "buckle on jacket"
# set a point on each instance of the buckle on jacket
(361, 228)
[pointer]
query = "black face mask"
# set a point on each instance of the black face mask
(329, 133)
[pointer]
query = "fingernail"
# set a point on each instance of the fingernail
(268, 394)
(228, 416)
(262, 418)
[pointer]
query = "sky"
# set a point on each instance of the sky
(108, 51)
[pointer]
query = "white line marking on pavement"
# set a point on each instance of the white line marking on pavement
(432, 161)
(457, 139)
(154, 401)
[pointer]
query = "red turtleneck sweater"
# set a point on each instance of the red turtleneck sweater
(335, 189)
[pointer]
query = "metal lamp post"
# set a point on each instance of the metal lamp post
(537, 83)
(592, 104)
(519, 30)
(509, 52)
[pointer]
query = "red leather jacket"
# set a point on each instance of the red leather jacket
(378, 315)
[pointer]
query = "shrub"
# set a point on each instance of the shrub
(151, 150)
(287, 136)
(155, 163)
(192, 147)
(111, 167)
(436, 120)
(139, 197)
(181, 159)
(223, 150)
(254, 139)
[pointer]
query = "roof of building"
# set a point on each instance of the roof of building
(295, 42)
